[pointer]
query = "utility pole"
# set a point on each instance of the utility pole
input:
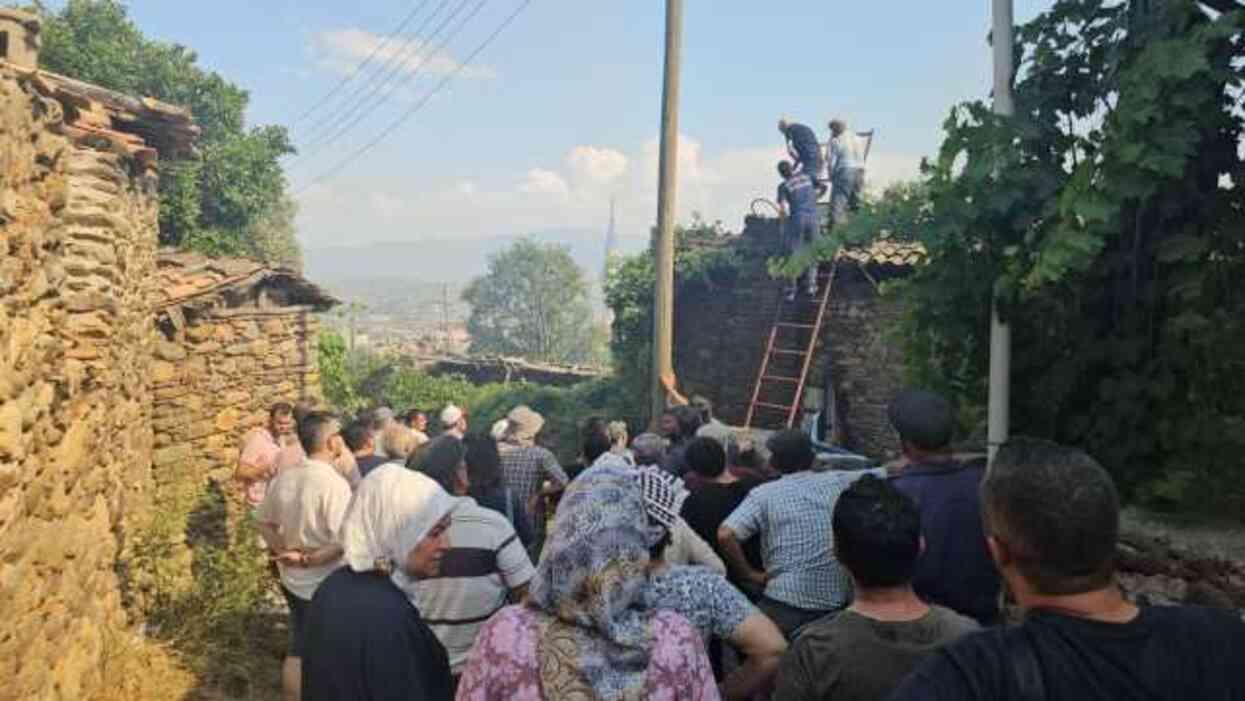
(663, 312)
(998, 425)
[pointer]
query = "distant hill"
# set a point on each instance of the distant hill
(445, 260)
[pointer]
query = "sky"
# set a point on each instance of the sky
(562, 111)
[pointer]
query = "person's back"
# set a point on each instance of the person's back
(1164, 654)
(955, 569)
(1052, 524)
(715, 494)
(849, 657)
(485, 563)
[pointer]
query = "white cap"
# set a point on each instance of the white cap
(451, 415)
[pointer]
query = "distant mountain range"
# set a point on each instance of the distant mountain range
(445, 260)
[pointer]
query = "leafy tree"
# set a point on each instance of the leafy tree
(629, 290)
(1107, 219)
(533, 302)
(228, 200)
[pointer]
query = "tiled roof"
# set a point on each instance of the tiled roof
(885, 252)
(186, 278)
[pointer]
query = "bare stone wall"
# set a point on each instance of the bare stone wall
(721, 334)
(77, 252)
(215, 380)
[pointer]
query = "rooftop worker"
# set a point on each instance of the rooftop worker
(365, 639)
(454, 421)
(486, 566)
(586, 631)
(955, 570)
(803, 147)
(802, 579)
(300, 520)
(717, 609)
(797, 201)
(868, 649)
(1052, 525)
(846, 154)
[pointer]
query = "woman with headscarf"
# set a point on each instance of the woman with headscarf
(587, 631)
(365, 641)
(719, 611)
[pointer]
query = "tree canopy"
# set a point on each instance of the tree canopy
(533, 302)
(229, 200)
(1108, 221)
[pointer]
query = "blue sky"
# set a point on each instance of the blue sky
(561, 112)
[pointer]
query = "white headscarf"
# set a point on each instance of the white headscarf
(393, 510)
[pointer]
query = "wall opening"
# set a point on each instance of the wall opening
(4, 45)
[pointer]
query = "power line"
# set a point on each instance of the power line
(419, 105)
(364, 64)
(368, 89)
(365, 107)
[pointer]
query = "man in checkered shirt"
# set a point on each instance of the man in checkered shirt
(525, 466)
(802, 580)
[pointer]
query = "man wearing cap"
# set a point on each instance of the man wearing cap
(955, 569)
(530, 470)
(454, 422)
(846, 156)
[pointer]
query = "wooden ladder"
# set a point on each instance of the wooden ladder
(788, 319)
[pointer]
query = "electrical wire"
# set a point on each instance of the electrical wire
(362, 65)
(419, 105)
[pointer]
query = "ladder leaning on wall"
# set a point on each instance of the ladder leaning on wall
(792, 342)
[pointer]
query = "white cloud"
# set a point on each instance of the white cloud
(596, 164)
(544, 182)
(386, 205)
(343, 50)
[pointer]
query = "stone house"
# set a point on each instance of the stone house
(236, 336)
(86, 361)
(721, 333)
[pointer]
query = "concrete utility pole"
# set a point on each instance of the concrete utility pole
(663, 299)
(1000, 332)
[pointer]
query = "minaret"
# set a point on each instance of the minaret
(611, 242)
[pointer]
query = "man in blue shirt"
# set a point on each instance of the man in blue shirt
(955, 570)
(804, 148)
(797, 202)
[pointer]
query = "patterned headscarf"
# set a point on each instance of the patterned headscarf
(591, 583)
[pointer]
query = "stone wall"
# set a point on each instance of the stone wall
(215, 379)
(721, 335)
(77, 248)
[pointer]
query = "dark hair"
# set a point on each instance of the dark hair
(704, 406)
(303, 409)
(790, 451)
(877, 533)
(658, 549)
(922, 418)
(688, 418)
(1057, 511)
(595, 445)
(412, 413)
(439, 459)
(280, 409)
(356, 434)
(313, 430)
(706, 457)
(594, 424)
(785, 168)
(483, 463)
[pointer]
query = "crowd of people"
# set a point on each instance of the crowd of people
(697, 562)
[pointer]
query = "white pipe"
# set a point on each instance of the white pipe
(998, 427)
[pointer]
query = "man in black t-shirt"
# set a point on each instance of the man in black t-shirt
(1052, 519)
(715, 494)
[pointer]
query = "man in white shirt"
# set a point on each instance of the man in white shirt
(300, 519)
(846, 155)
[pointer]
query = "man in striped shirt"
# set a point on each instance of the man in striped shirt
(485, 568)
